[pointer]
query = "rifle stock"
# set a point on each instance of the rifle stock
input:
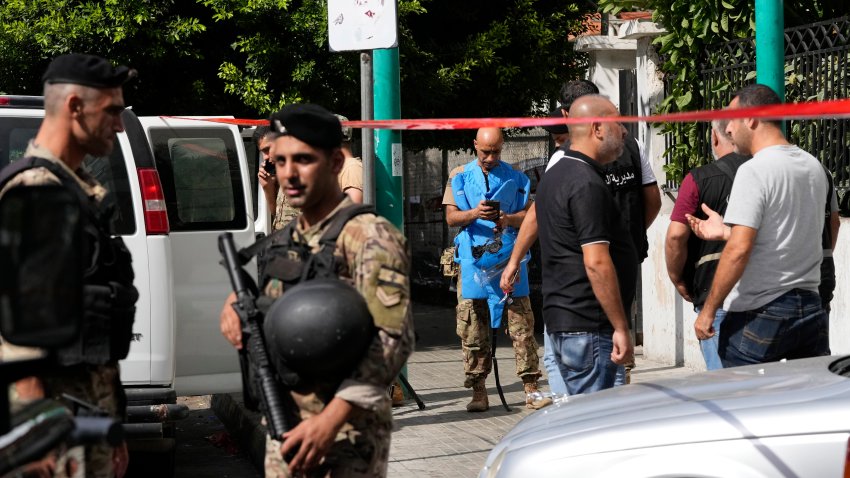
(274, 402)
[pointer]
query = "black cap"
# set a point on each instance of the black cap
(86, 70)
(311, 124)
(556, 128)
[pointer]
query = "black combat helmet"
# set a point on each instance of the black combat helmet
(319, 330)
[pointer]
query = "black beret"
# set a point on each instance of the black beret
(311, 124)
(86, 70)
(556, 128)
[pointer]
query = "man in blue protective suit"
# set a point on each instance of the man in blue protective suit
(488, 199)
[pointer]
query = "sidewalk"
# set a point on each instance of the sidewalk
(444, 440)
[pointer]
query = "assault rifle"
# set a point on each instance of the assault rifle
(276, 404)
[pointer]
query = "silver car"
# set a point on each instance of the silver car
(788, 419)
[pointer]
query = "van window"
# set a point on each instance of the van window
(201, 179)
(15, 134)
(111, 172)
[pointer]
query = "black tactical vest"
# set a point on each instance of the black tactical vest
(714, 182)
(284, 256)
(109, 296)
(624, 177)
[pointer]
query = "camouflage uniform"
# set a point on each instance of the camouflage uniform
(374, 260)
(473, 328)
(283, 211)
(96, 384)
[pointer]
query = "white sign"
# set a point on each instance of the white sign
(396, 152)
(362, 24)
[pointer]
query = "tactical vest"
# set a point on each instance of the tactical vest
(109, 296)
(280, 256)
(624, 178)
(714, 183)
(826, 237)
(826, 288)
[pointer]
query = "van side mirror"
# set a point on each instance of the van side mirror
(41, 259)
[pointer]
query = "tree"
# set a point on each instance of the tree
(175, 46)
(472, 58)
(250, 57)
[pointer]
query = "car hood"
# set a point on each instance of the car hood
(777, 399)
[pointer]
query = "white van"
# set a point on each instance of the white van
(176, 184)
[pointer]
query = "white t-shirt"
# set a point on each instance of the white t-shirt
(781, 192)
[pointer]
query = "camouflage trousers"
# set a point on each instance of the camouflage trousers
(361, 452)
(99, 385)
(473, 328)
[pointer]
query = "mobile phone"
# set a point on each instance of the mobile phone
(494, 204)
(268, 167)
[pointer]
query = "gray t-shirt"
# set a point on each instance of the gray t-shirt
(781, 192)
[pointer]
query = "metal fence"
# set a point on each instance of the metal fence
(817, 58)
(426, 173)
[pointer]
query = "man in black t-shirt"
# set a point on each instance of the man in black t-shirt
(589, 262)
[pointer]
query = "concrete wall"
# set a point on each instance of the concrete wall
(605, 72)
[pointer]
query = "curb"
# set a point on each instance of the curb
(244, 426)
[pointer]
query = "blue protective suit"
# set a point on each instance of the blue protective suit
(480, 277)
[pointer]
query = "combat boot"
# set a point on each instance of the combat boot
(533, 398)
(397, 394)
(479, 401)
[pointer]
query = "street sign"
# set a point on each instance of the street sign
(356, 25)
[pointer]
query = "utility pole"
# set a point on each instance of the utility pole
(389, 168)
(770, 46)
(367, 134)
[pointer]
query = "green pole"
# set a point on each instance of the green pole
(770, 45)
(389, 171)
(389, 197)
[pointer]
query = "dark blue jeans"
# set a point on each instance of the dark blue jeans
(584, 360)
(791, 326)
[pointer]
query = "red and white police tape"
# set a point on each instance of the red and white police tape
(831, 109)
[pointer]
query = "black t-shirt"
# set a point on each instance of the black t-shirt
(575, 208)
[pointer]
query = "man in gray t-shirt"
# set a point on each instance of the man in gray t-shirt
(769, 270)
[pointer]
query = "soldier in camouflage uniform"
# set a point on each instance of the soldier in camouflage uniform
(83, 104)
(473, 315)
(344, 432)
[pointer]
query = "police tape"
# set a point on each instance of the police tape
(830, 109)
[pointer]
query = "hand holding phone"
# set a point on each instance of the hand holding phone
(268, 167)
(492, 214)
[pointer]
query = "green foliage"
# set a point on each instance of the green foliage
(489, 61)
(697, 31)
(170, 43)
(471, 58)
(250, 57)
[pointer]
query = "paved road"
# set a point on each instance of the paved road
(204, 449)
